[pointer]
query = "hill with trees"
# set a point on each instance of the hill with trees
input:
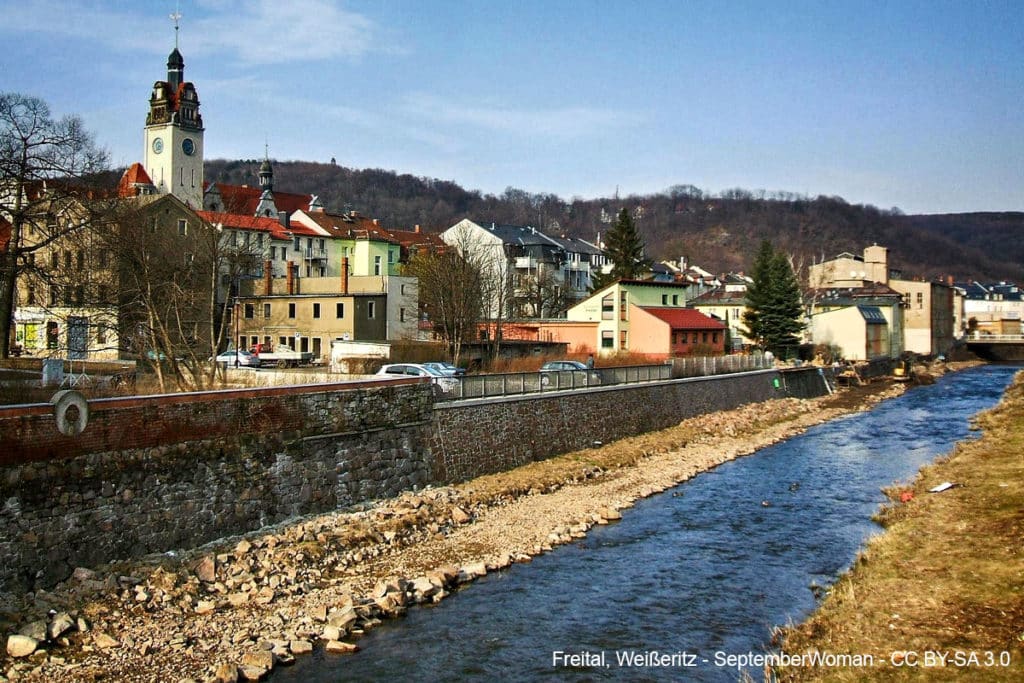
(720, 232)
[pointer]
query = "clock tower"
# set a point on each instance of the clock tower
(174, 136)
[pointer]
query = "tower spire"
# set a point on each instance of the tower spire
(176, 16)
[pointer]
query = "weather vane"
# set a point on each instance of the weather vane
(176, 16)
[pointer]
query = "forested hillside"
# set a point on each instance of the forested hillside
(718, 232)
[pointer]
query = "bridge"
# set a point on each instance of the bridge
(997, 347)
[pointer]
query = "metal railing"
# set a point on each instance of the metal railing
(516, 383)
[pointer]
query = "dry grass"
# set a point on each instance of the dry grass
(947, 576)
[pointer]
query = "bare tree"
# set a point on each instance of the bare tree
(541, 295)
(44, 164)
(451, 290)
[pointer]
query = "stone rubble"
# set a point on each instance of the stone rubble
(233, 612)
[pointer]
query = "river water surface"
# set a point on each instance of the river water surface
(707, 568)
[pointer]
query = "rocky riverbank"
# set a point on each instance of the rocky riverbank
(235, 610)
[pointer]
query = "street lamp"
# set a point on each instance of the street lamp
(235, 313)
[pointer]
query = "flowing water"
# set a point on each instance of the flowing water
(702, 571)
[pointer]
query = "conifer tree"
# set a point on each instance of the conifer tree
(625, 249)
(774, 314)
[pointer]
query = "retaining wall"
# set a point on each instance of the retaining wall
(151, 474)
(158, 473)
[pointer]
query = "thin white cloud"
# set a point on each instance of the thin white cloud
(253, 32)
(273, 32)
(556, 122)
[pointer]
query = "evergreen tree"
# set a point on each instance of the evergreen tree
(625, 249)
(774, 314)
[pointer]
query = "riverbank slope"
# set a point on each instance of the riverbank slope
(241, 607)
(947, 577)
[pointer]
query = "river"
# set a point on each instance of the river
(703, 571)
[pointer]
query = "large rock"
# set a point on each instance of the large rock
(224, 673)
(21, 646)
(340, 647)
(342, 618)
(460, 516)
(60, 624)
(260, 660)
(206, 570)
(300, 647)
(34, 629)
(104, 641)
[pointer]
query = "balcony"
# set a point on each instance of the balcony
(312, 254)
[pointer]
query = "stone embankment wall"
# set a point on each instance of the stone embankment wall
(151, 474)
(486, 436)
(158, 473)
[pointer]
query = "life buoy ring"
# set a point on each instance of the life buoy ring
(74, 424)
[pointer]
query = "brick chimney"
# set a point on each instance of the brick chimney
(344, 275)
(267, 275)
(291, 277)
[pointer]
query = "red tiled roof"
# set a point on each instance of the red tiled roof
(244, 200)
(685, 319)
(133, 176)
(350, 226)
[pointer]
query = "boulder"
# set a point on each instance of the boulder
(21, 646)
(342, 618)
(60, 624)
(34, 629)
(340, 647)
(460, 516)
(206, 570)
(104, 641)
(258, 659)
(300, 647)
(226, 672)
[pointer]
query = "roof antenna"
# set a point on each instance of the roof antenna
(176, 16)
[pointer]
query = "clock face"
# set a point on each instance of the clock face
(158, 145)
(188, 147)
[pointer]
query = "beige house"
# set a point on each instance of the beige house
(860, 332)
(621, 326)
(927, 315)
(307, 314)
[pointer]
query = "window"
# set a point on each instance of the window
(30, 296)
(376, 265)
(623, 341)
(80, 262)
(920, 300)
(273, 253)
(714, 337)
(401, 315)
(79, 295)
(664, 299)
(675, 299)
(607, 307)
(266, 310)
(402, 290)
(103, 259)
(102, 293)
(391, 256)
(371, 309)
(607, 339)
(246, 239)
(339, 310)
(298, 244)
(259, 240)
(67, 260)
(316, 310)
(101, 334)
(54, 260)
(291, 310)
(250, 311)
(623, 305)
(182, 227)
(54, 294)
(309, 270)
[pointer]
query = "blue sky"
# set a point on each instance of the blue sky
(918, 105)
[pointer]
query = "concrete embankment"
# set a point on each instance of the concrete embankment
(239, 608)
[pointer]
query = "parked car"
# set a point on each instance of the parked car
(581, 374)
(442, 383)
(245, 358)
(446, 368)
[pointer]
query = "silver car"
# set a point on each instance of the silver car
(442, 383)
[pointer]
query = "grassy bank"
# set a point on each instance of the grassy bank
(947, 577)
